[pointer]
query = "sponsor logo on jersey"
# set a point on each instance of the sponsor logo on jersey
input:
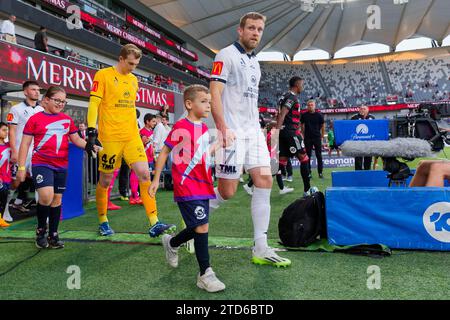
(10, 117)
(217, 68)
(227, 169)
(94, 86)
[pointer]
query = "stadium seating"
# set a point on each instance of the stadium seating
(275, 78)
(354, 82)
(425, 76)
(416, 76)
(116, 19)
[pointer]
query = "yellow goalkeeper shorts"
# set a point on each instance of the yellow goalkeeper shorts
(110, 158)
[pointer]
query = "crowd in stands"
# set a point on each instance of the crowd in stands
(331, 84)
(7, 33)
(119, 20)
(426, 79)
(275, 76)
(354, 83)
(40, 43)
(361, 80)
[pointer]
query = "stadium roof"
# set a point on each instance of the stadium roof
(295, 25)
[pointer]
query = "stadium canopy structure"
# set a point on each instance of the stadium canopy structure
(296, 25)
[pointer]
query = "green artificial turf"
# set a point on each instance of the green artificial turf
(133, 266)
(119, 271)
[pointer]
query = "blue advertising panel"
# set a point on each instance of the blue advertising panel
(362, 178)
(328, 162)
(72, 201)
(360, 130)
(401, 218)
(365, 178)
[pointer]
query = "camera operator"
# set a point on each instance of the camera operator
(363, 115)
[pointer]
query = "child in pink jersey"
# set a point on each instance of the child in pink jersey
(193, 186)
(51, 130)
(5, 173)
(147, 139)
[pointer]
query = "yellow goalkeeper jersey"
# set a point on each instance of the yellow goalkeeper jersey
(117, 110)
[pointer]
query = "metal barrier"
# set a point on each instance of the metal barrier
(90, 178)
(91, 175)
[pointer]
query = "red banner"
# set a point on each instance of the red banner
(18, 64)
(135, 22)
(62, 4)
(378, 108)
(102, 24)
(268, 110)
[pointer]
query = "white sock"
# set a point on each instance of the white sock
(215, 203)
(8, 199)
(260, 217)
(6, 215)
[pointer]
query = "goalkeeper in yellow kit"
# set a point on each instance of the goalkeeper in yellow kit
(112, 101)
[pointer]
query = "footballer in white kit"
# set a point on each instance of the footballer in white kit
(18, 117)
(241, 74)
(234, 91)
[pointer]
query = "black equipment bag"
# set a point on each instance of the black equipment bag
(303, 221)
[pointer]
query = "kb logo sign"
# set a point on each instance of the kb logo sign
(437, 221)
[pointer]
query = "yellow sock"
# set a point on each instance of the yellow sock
(149, 203)
(101, 197)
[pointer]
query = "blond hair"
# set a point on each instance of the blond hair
(130, 49)
(190, 93)
(252, 16)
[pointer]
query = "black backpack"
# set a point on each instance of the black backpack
(303, 221)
